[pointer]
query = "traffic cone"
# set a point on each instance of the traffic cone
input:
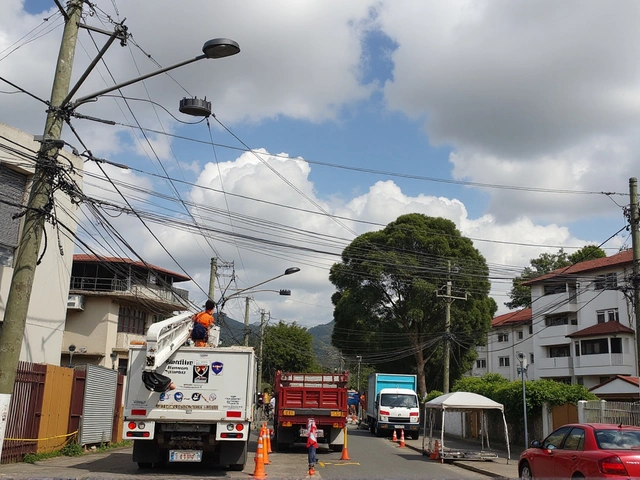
(401, 438)
(312, 470)
(436, 451)
(345, 452)
(395, 437)
(269, 433)
(263, 439)
(259, 472)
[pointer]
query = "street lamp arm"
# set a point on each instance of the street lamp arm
(224, 299)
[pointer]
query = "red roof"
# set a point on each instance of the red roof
(599, 263)
(519, 316)
(631, 380)
(82, 258)
(605, 328)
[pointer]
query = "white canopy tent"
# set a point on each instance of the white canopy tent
(462, 402)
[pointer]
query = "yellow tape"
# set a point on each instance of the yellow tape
(41, 439)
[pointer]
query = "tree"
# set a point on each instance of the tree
(520, 294)
(286, 348)
(386, 306)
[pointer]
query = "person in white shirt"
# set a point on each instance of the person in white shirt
(272, 407)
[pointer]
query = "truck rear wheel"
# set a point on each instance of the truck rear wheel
(145, 464)
(236, 467)
(336, 448)
(414, 435)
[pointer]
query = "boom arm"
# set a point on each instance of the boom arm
(165, 337)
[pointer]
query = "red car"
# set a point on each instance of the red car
(584, 450)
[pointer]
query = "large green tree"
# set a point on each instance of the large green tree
(286, 347)
(520, 294)
(389, 308)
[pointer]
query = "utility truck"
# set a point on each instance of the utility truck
(301, 396)
(185, 403)
(392, 404)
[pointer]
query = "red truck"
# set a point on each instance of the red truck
(301, 396)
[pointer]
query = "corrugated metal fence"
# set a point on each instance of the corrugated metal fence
(47, 406)
(602, 411)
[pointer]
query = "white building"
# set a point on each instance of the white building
(583, 331)
(510, 334)
(47, 310)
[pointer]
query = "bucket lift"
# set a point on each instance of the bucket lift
(163, 339)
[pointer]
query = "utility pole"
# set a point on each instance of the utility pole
(262, 317)
(635, 245)
(246, 321)
(212, 276)
(38, 206)
(447, 328)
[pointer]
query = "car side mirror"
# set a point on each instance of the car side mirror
(535, 444)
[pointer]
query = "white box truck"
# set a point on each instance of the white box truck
(392, 404)
(185, 403)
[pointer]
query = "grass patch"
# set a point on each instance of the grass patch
(72, 449)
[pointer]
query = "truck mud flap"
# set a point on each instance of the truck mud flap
(233, 453)
(147, 452)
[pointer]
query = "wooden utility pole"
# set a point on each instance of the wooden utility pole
(17, 305)
(262, 318)
(447, 329)
(635, 245)
(212, 277)
(246, 321)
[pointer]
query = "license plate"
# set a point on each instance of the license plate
(399, 427)
(185, 455)
(305, 433)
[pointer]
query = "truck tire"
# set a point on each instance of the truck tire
(282, 447)
(371, 425)
(414, 435)
(236, 467)
(336, 448)
(145, 464)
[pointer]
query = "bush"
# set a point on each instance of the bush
(71, 450)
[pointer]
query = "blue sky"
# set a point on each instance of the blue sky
(532, 95)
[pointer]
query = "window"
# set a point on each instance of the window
(481, 363)
(503, 361)
(608, 281)
(580, 380)
(559, 351)
(520, 335)
(556, 320)
(609, 315)
(131, 320)
(503, 337)
(595, 347)
(555, 288)
(13, 186)
(616, 345)
(575, 440)
(577, 348)
(122, 366)
(531, 358)
(603, 379)
(531, 329)
(555, 439)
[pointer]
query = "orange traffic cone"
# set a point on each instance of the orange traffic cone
(312, 470)
(269, 433)
(435, 453)
(259, 472)
(395, 437)
(345, 452)
(263, 439)
(401, 438)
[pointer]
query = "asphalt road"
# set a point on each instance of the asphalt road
(370, 458)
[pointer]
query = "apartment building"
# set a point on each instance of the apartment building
(510, 334)
(583, 330)
(113, 301)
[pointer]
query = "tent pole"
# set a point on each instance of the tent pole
(442, 435)
(506, 436)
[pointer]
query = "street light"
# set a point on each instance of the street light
(522, 369)
(72, 348)
(246, 310)
(223, 300)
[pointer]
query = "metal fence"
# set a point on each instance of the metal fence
(602, 411)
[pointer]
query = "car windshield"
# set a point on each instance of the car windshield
(618, 439)
(398, 400)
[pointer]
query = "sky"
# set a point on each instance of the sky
(518, 121)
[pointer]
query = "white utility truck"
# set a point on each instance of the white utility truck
(185, 403)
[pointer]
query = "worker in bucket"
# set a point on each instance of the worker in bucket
(312, 443)
(202, 322)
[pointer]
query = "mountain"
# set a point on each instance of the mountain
(232, 333)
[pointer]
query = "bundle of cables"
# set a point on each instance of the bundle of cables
(156, 382)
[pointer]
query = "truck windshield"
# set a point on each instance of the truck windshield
(398, 400)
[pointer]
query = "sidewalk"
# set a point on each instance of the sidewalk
(496, 468)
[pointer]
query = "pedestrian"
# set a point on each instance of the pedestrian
(202, 322)
(272, 407)
(312, 443)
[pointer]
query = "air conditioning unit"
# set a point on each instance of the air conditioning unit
(75, 302)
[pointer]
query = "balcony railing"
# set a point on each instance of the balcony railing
(122, 286)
